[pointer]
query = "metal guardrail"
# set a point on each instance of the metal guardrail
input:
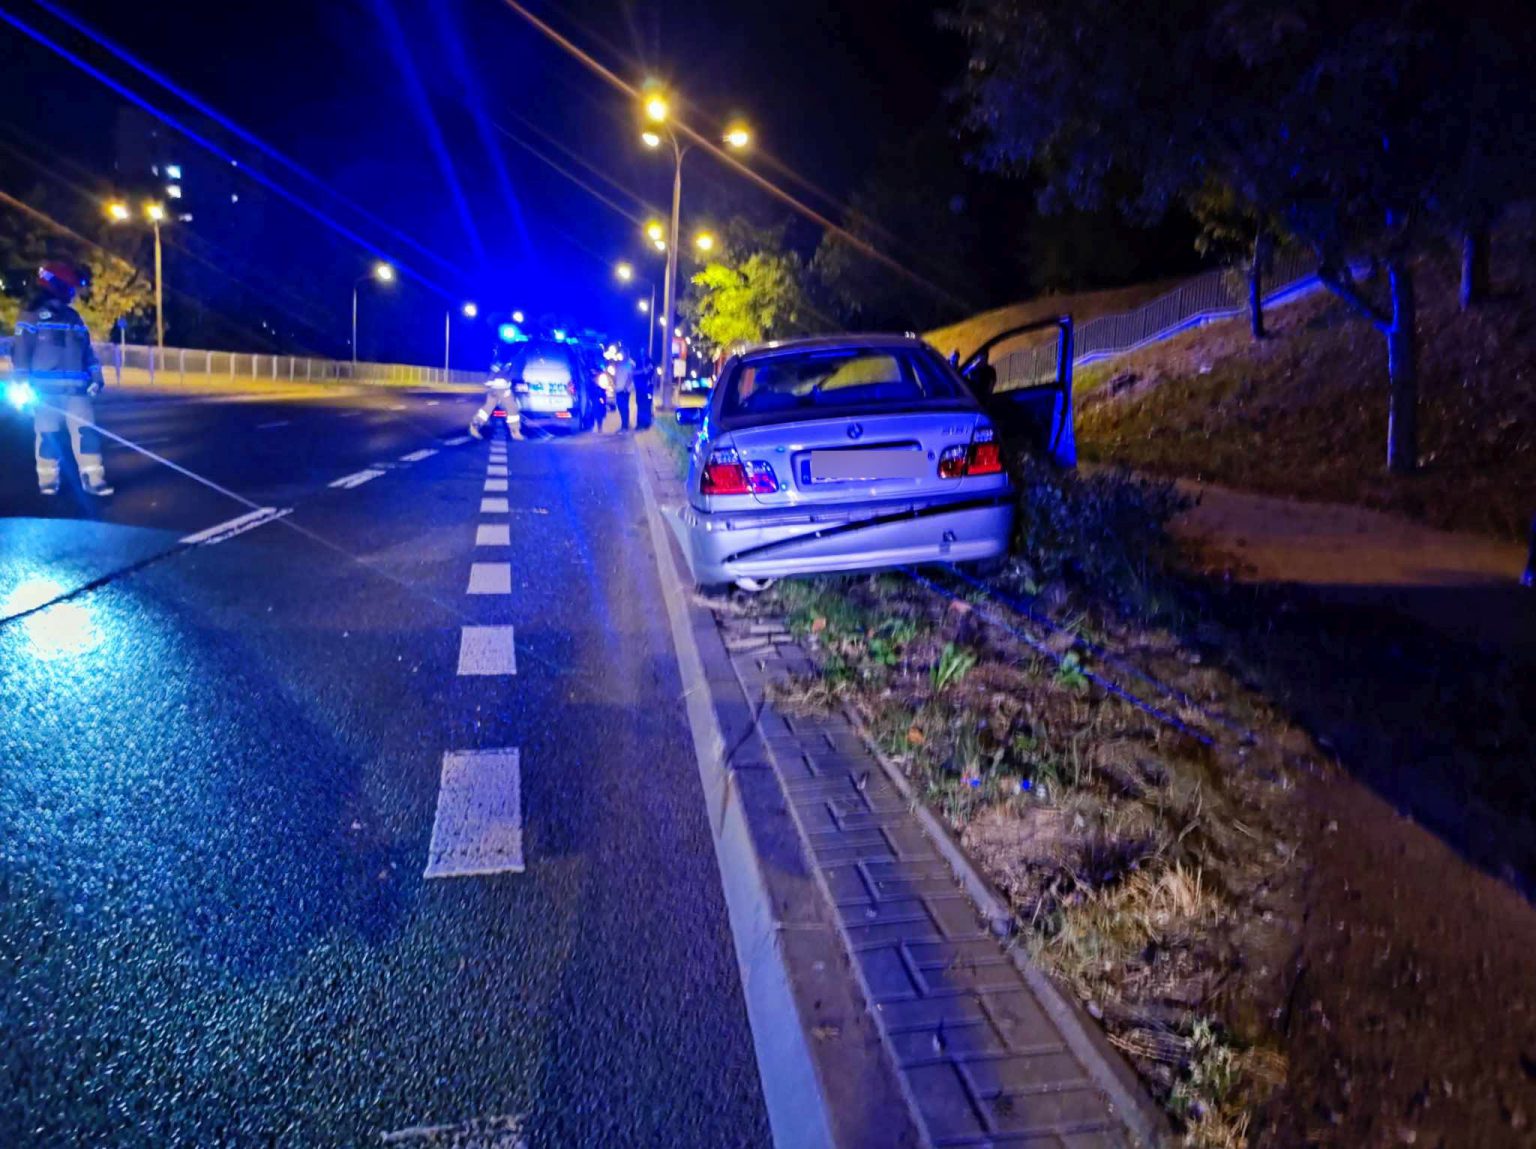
(175, 365)
(1209, 297)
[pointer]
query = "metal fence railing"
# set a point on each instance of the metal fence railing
(180, 365)
(1218, 294)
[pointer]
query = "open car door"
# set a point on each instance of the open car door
(1028, 394)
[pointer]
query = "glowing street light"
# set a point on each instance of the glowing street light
(644, 306)
(517, 317)
(654, 231)
(704, 241)
(117, 212)
(625, 272)
(470, 311)
(380, 272)
(657, 118)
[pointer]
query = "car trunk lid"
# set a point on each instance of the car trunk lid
(857, 457)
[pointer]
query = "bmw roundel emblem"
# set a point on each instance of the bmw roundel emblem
(855, 430)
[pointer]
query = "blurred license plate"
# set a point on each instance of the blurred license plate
(852, 466)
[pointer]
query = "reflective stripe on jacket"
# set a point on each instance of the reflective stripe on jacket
(52, 350)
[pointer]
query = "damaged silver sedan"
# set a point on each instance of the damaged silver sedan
(849, 453)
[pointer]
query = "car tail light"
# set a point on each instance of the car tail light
(982, 457)
(726, 474)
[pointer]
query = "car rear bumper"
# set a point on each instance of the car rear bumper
(725, 546)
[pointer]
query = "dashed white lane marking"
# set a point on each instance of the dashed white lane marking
(481, 1133)
(493, 535)
(500, 471)
(493, 507)
(356, 479)
(487, 650)
(237, 526)
(418, 456)
(456, 442)
(490, 578)
(275, 423)
(433, 402)
(495, 484)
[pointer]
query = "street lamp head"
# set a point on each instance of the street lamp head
(656, 109)
(644, 305)
(654, 231)
(383, 272)
(470, 311)
(517, 317)
(704, 241)
(154, 212)
(650, 139)
(659, 244)
(625, 272)
(117, 211)
(737, 136)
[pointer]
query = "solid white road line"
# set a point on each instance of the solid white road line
(493, 535)
(493, 507)
(495, 484)
(238, 526)
(487, 650)
(356, 479)
(418, 456)
(490, 578)
(456, 442)
(276, 423)
(433, 402)
(498, 470)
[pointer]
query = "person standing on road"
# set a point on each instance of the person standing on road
(623, 384)
(498, 393)
(645, 377)
(52, 354)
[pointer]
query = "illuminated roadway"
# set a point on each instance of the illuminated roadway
(220, 770)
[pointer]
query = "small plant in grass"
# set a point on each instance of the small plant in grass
(1069, 672)
(955, 662)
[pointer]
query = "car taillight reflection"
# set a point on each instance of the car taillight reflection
(982, 457)
(727, 474)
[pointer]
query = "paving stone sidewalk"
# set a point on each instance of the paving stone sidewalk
(983, 1056)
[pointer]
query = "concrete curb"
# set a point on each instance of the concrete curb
(826, 1077)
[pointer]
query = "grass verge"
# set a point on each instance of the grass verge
(1144, 872)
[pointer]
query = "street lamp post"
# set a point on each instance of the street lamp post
(118, 212)
(658, 113)
(380, 271)
(626, 273)
(156, 214)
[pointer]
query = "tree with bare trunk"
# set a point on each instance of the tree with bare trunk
(1358, 123)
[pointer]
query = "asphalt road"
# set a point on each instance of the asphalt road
(220, 768)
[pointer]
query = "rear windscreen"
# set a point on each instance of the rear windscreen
(540, 363)
(827, 379)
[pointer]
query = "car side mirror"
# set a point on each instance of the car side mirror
(687, 415)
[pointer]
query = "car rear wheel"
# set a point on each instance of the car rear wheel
(754, 585)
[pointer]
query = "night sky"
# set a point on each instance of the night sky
(405, 109)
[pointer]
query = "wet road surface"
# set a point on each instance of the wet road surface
(222, 768)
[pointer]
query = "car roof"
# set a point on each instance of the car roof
(832, 343)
